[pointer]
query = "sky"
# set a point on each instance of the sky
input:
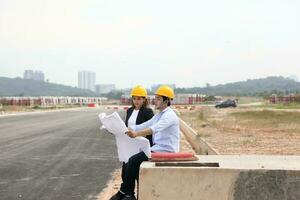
(141, 42)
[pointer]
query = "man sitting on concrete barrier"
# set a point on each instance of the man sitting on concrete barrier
(164, 127)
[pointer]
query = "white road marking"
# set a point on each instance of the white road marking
(64, 176)
(24, 179)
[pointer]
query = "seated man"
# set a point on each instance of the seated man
(164, 128)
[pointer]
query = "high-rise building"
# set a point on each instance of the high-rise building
(87, 80)
(34, 75)
(105, 88)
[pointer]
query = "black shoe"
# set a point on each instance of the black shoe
(117, 196)
(129, 197)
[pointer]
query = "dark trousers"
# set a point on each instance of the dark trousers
(130, 172)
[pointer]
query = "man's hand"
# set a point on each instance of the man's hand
(131, 133)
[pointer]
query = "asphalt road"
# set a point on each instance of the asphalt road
(58, 155)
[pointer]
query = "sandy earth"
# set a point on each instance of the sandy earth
(114, 184)
(232, 137)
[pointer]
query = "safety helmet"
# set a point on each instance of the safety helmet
(139, 91)
(165, 91)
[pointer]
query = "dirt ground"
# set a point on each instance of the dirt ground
(247, 130)
(114, 184)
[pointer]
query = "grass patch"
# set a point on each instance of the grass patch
(201, 115)
(247, 100)
(248, 141)
(268, 117)
(198, 115)
(204, 135)
(13, 108)
(281, 106)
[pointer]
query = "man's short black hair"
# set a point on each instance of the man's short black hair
(167, 99)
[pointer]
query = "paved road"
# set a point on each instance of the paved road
(59, 155)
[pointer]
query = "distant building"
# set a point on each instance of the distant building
(87, 80)
(156, 86)
(105, 88)
(285, 99)
(34, 75)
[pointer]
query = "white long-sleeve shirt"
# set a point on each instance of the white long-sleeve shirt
(165, 131)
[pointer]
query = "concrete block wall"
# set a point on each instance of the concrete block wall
(236, 178)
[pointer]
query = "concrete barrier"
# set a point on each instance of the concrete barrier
(231, 178)
(199, 144)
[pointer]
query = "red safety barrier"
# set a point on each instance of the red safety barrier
(182, 156)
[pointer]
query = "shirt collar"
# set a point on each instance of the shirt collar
(166, 109)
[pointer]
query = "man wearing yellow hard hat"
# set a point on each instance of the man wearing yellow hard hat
(164, 128)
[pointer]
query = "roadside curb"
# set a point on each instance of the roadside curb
(199, 144)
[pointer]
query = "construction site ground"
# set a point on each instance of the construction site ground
(246, 130)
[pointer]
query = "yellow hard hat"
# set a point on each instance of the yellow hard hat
(165, 91)
(139, 91)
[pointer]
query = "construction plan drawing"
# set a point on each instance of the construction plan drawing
(127, 146)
